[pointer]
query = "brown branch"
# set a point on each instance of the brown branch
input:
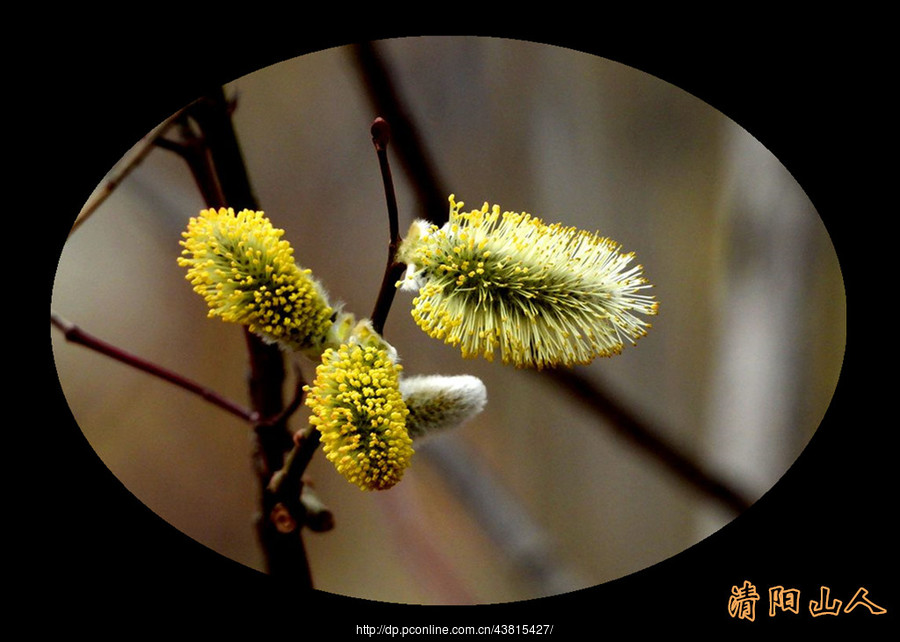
(295, 403)
(222, 178)
(76, 335)
(213, 156)
(305, 444)
(410, 149)
(192, 149)
(381, 136)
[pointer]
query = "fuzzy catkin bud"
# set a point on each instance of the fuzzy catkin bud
(438, 402)
(246, 273)
(543, 295)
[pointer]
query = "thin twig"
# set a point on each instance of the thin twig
(295, 403)
(409, 147)
(192, 148)
(121, 172)
(76, 335)
(289, 480)
(286, 486)
(306, 442)
(381, 136)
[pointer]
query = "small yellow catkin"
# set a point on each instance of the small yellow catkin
(246, 273)
(359, 411)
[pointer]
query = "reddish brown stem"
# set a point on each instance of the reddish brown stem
(76, 335)
(381, 136)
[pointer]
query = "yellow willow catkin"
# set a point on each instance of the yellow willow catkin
(246, 273)
(359, 412)
(542, 294)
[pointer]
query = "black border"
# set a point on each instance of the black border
(809, 93)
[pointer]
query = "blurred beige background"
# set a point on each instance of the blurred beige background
(737, 371)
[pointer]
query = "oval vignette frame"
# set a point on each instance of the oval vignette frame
(362, 160)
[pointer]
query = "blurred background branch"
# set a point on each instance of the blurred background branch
(386, 96)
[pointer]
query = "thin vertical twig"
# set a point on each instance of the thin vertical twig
(381, 136)
(410, 150)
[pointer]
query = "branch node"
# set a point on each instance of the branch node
(282, 519)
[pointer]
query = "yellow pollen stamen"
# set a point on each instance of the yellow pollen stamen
(542, 294)
(247, 274)
(360, 414)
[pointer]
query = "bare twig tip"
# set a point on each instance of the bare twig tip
(381, 133)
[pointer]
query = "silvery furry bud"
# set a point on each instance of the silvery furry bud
(437, 402)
